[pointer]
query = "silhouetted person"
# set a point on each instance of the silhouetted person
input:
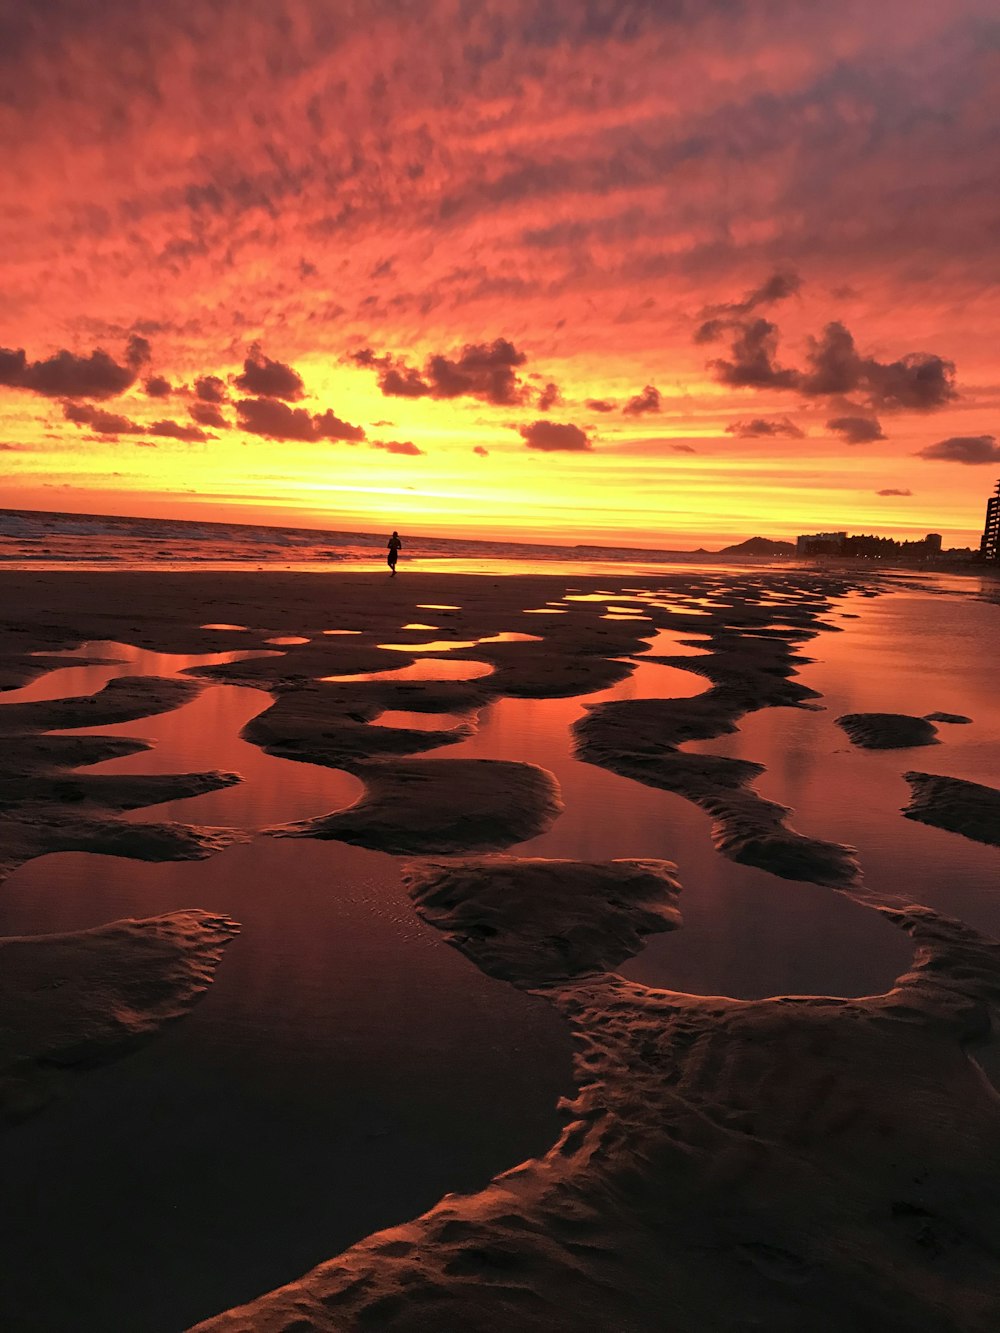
(395, 546)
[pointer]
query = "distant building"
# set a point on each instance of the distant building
(821, 543)
(989, 548)
(867, 546)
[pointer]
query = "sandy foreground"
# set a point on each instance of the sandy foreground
(800, 1162)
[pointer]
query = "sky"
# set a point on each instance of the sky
(657, 273)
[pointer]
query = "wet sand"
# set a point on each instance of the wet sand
(781, 1162)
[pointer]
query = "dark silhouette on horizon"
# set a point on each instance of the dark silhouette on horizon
(395, 546)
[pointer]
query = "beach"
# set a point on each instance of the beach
(597, 950)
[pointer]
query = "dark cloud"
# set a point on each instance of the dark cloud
(275, 420)
(486, 371)
(481, 451)
(208, 414)
(553, 435)
(158, 387)
(66, 375)
(856, 430)
(396, 446)
(330, 427)
(647, 401)
(549, 397)
(175, 431)
(269, 379)
(600, 404)
(210, 389)
(970, 449)
(717, 318)
(683, 449)
(834, 364)
(753, 365)
(104, 423)
(405, 383)
(754, 427)
(111, 423)
(919, 381)
(892, 490)
(137, 352)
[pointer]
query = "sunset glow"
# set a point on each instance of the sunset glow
(648, 274)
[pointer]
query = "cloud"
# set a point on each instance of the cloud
(918, 381)
(549, 397)
(396, 446)
(269, 379)
(754, 427)
(403, 383)
(782, 284)
(208, 414)
(104, 423)
(683, 449)
(647, 401)
(856, 430)
(158, 387)
(481, 451)
(175, 431)
(486, 371)
(275, 420)
(600, 404)
(552, 436)
(66, 375)
(137, 352)
(111, 424)
(892, 490)
(753, 365)
(210, 389)
(971, 449)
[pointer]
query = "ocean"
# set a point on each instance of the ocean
(35, 539)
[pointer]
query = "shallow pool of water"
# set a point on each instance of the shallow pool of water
(426, 668)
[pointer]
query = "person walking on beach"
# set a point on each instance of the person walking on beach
(395, 545)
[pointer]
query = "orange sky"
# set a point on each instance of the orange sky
(752, 246)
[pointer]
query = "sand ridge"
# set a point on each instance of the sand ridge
(441, 806)
(968, 808)
(888, 731)
(74, 1000)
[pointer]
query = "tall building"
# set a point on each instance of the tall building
(990, 545)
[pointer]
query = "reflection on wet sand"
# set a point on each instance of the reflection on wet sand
(427, 668)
